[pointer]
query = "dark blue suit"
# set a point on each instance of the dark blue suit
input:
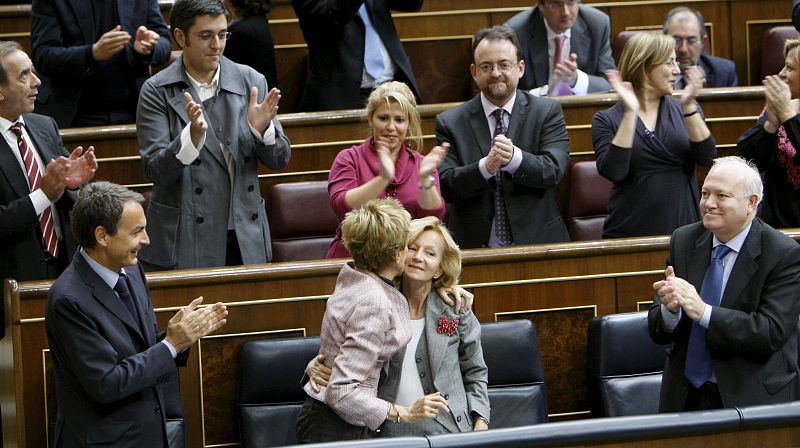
(62, 35)
(110, 371)
(752, 335)
(719, 72)
(336, 48)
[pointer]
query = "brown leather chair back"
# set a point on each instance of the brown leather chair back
(302, 222)
(772, 51)
(588, 201)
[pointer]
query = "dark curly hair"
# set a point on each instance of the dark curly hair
(252, 7)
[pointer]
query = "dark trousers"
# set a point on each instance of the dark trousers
(703, 398)
(233, 255)
(319, 423)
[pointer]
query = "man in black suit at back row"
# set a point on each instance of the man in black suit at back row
(36, 174)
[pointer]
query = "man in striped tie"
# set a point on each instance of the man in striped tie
(37, 176)
(728, 301)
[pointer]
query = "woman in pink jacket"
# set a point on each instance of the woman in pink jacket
(388, 163)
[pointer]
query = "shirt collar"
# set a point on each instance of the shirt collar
(198, 85)
(489, 107)
(107, 275)
(736, 242)
(552, 34)
(5, 125)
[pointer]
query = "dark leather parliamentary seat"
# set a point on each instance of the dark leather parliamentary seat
(772, 59)
(269, 395)
(588, 201)
(625, 366)
(516, 376)
(301, 221)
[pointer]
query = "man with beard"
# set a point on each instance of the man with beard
(508, 151)
(688, 29)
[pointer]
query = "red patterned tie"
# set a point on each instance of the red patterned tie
(35, 182)
(561, 88)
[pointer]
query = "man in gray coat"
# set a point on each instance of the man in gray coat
(203, 124)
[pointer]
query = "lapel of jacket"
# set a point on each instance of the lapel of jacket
(745, 266)
(479, 126)
(178, 105)
(698, 257)
(12, 170)
(539, 56)
(106, 296)
(143, 305)
(519, 115)
(437, 342)
(85, 18)
(230, 83)
(125, 14)
(579, 42)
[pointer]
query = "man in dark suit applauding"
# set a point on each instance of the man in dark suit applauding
(35, 173)
(563, 41)
(508, 151)
(729, 301)
(110, 362)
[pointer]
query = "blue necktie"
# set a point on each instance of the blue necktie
(373, 60)
(698, 362)
(502, 228)
(126, 297)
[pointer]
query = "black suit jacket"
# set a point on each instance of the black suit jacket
(62, 34)
(590, 41)
(752, 335)
(335, 38)
(22, 253)
(110, 371)
(537, 128)
(719, 72)
(251, 43)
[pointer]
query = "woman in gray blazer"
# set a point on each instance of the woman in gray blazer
(444, 355)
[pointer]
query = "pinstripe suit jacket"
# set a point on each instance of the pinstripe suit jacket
(366, 322)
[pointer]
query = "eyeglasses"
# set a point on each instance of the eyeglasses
(672, 63)
(487, 68)
(560, 4)
(207, 35)
(690, 41)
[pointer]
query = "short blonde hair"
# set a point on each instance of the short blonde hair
(641, 53)
(399, 93)
(376, 232)
(451, 256)
(792, 46)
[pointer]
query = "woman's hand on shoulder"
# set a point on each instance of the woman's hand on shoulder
(460, 297)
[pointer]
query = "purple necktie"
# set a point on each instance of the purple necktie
(502, 228)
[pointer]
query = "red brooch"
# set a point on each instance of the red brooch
(447, 325)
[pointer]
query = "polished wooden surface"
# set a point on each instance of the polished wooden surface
(559, 287)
